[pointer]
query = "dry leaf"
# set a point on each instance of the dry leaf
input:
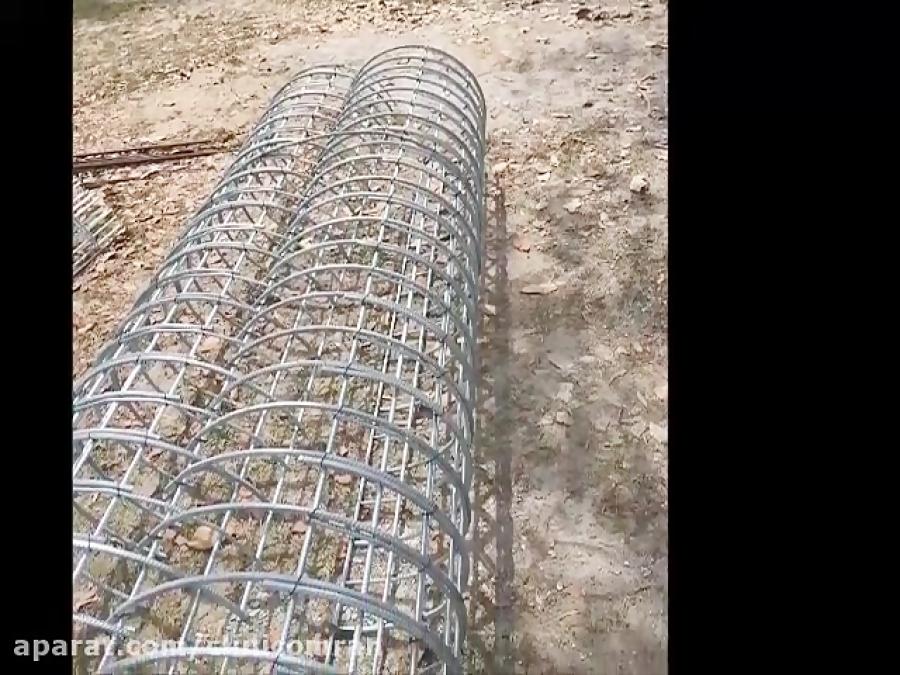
(274, 635)
(234, 528)
(300, 526)
(148, 485)
(84, 598)
(203, 539)
(521, 243)
(499, 167)
(210, 345)
(638, 428)
(343, 478)
(561, 361)
(540, 289)
(489, 309)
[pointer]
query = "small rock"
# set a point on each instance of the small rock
(565, 392)
(572, 205)
(563, 417)
(540, 289)
(627, 564)
(591, 55)
(499, 167)
(660, 433)
(662, 392)
(559, 586)
(639, 184)
(489, 405)
(489, 309)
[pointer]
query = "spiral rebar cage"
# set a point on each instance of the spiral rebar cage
(272, 461)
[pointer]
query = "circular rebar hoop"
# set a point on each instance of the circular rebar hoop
(313, 492)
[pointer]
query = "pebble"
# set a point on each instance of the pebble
(639, 184)
(563, 417)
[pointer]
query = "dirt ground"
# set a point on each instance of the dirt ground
(573, 531)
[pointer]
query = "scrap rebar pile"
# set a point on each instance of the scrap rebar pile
(273, 459)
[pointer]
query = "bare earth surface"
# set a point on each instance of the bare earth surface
(573, 527)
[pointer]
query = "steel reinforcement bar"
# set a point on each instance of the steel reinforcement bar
(299, 502)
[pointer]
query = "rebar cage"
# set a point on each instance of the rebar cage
(94, 226)
(272, 459)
